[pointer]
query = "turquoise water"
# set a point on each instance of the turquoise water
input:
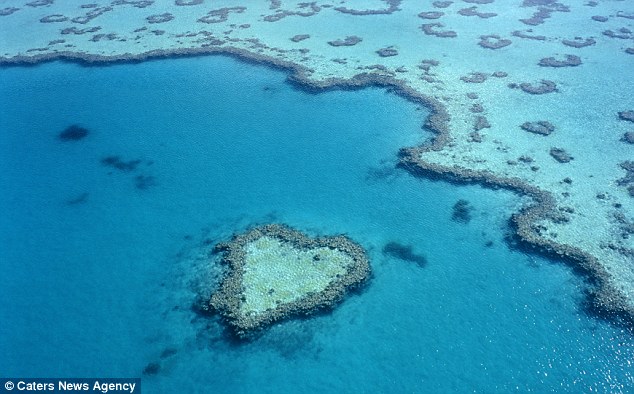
(100, 269)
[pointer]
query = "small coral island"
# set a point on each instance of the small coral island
(276, 272)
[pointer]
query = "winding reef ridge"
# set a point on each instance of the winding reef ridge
(581, 209)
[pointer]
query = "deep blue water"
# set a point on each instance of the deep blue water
(100, 269)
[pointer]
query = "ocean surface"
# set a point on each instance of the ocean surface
(105, 241)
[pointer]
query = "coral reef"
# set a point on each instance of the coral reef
(431, 15)
(8, 11)
(346, 42)
(276, 272)
(474, 77)
(160, 18)
(570, 61)
(220, 15)
(493, 41)
(545, 86)
(442, 4)
(579, 42)
(542, 127)
(627, 115)
(560, 155)
(387, 52)
(54, 18)
(430, 30)
(188, 2)
(392, 7)
(473, 11)
(300, 37)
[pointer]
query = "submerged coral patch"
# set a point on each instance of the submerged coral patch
(404, 252)
(346, 42)
(160, 18)
(493, 41)
(73, 133)
(569, 61)
(431, 14)
(392, 6)
(387, 52)
(461, 212)
(560, 155)
(121, 165)
(579, 42)
(276, 272)
(544, 86)
(8, 11)
(627, 115)
(430, 30)
(542, 127)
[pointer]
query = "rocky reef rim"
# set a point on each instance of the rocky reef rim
(602, 300)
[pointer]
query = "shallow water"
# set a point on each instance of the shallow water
(101, 269)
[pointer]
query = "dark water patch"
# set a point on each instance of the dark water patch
(628, 137)
(144, 182)
(119, 164)
(73, 133)
(168, 352)
(461, 211)
(79, 199)
(384, 173)
(404, 252)
(152, 368)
